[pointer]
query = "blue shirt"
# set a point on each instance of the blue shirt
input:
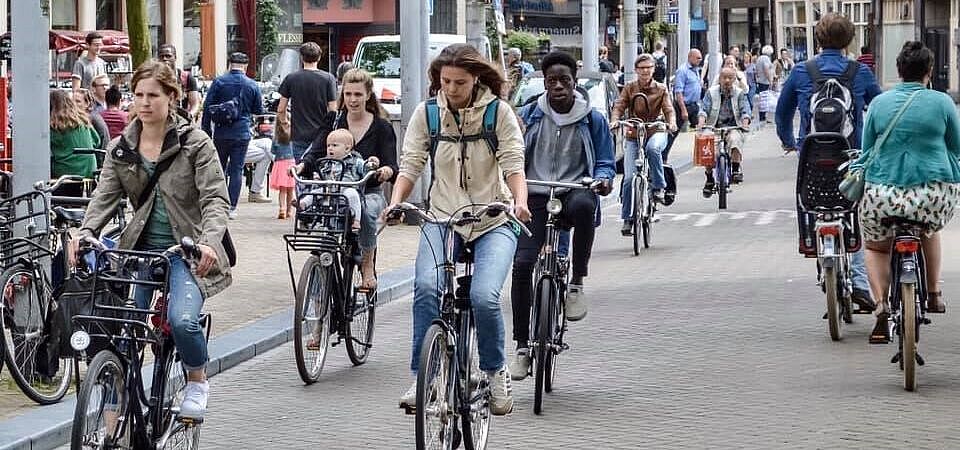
(234, 84)
(687, 82)
(798, 89)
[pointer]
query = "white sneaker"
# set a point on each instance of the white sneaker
(520, 366)
(409, 399)
(501, 394)
(194, 400)
(232, 215)
(575, 303)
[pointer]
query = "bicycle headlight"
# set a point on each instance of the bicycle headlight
(79, 340)
(326, 259)
(554, 206)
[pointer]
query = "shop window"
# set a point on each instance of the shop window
(63, 14)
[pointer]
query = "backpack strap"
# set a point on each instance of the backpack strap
(848, 75)
(489, 132)
(815, 75)
(433, 123)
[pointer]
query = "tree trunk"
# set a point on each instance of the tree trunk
(138, 31)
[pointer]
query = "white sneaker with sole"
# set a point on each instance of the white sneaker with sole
(194, 404)
(409, 399)
(575, 303)
(520, 365)
(501, 394)
(232, 215)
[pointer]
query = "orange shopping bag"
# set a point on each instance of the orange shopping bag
(704, 150)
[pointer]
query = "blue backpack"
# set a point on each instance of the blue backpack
(487, 133)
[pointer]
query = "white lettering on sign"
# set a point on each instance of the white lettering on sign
(289, 38)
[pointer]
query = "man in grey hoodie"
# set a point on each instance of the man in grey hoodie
(566, 140)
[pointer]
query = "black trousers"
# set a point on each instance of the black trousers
(693, 115)
(579, 207)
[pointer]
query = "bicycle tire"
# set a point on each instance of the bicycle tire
(544, 340)
(359, 317)
(722, 181)
(313, 296)
(107, 371)
(182, 436)
(434, 384)
(648, 224)
(637, 210)
(833, 303)
(477, 390)
(560, 322)
(42, 375)
(908, 339)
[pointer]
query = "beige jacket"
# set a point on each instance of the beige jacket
(469, 172)
(193, 189)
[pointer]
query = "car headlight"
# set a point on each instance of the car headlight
(554, 206)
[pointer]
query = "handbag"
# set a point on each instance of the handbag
(854, 182)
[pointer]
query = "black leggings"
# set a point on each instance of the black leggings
(579, 207)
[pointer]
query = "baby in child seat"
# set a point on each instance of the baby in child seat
(340, 147)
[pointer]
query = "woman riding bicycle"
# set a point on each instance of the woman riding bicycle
(188, 199)
(361, 113)
(914, 175)
(466, 173)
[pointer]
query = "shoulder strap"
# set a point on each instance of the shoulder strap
(433, 123)
(162, 166)
(490, 126)
(849, 74)
(814, 72)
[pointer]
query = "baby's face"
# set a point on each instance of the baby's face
(337, 148)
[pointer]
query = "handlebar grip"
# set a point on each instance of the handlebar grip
(189, 247)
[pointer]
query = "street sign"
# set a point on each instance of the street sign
(673, 15)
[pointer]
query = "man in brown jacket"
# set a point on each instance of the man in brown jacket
(652, 101)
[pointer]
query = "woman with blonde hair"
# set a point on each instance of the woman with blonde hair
(69, 129)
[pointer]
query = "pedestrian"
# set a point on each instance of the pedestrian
(230, 101)
(750, 70)
(98, 88)
(70, 128)
(515, 71)
(911, 173)
(605, 64)
(465, 84)
(115, 118)
(84, 100)
(834, 32)
(687, 89)
(260, 155)
(660, 63)
(90, 64)
(280, 178)
(734, 51)
(765, 77)
(782, 67)
(361, 113)
(342, 69)
(187, 199)
(312, 92)
(189, 86)
(866, 58)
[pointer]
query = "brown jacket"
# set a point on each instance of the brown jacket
(192, 188)
(658, 100)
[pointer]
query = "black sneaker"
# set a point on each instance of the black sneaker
(658, 195)
(627, 229)
(863, 299)
(708, 188)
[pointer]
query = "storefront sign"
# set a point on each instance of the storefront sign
(290, 29)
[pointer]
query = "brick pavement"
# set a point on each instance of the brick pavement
(710, 339)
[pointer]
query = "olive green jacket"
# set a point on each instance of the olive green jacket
(193, 189)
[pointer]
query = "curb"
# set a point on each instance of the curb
(52, 424)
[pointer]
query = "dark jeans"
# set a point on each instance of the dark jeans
(761, 88)
(232, 154)
(578, 210)
(693, 115)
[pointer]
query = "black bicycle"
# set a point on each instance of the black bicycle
(451, 388)
(114, 408)
(329, 296)
(723, 175)
(644, 207)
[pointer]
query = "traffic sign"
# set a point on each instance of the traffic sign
(673, 15)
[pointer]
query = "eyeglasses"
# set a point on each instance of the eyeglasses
(643, 67)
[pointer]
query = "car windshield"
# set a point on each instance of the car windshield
(533, 86)
(380, 59)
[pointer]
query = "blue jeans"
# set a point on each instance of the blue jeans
(299, 148)
(654, 149)
(232, 153)
(493, 255)
(183, 312)
(373, 205)
(859, 269)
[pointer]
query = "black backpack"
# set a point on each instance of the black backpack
(832, 104)
(660, 69)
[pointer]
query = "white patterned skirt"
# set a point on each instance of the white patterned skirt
(933, 203)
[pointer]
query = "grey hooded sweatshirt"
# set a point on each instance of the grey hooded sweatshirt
(558, 153)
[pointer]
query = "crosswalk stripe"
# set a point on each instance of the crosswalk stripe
(705, 219)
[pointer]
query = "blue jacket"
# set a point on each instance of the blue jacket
(799, 88)
(594, 133)
(234, 84)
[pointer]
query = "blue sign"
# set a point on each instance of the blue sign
(673, 15)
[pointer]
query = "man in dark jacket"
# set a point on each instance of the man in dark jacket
(566, 140)
(232, 137)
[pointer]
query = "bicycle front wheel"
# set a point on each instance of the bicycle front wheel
(908, 338)
(361, 315)
(311, 318)
(639, 193)
(723, 180)
(544, 350)
(31, 352)
(833, 305)
(436, 419)
(476, 425)
(99, 420)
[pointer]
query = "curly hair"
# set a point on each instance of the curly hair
(558, 57)
(914, 61)
(465, 57)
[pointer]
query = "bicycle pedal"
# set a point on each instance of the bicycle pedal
(920, 360)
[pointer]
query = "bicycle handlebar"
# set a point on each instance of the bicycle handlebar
(724, 129)
(186, 248)
(585, 183)
(370, 165)
(491, 209)
(49, 186)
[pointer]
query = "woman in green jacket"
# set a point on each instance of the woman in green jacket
(69, 129)
(915, 174)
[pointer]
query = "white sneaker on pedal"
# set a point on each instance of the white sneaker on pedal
(520, 365)
(501, 393)
(409, 399)
(194, 404)
(575, 303)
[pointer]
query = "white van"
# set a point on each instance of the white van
(380, 55)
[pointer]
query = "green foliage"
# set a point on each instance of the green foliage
(526, 42)
(653, 31)
(268, 27)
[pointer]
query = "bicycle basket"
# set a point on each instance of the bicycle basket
(76, 296)
(819, 175)
(24, 228)
(322, 209)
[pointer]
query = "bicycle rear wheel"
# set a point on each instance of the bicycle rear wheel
(311, 318)
(99, 419)
(545, 319)
(360, 316)
(476, 425)
(908, 338)
(723, 180)
(833, 306)
(436, 420)
(32, 354)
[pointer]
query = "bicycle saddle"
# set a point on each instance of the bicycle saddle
(68, 215)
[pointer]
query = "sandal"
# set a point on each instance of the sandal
(281, 215)
(935, 303)
(881, 331)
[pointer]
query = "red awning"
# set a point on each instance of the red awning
(64, 41)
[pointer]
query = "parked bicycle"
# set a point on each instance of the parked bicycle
(451, 388)
(548, 322)
(114, 408)
(722, 169)
(329, 296)
(644, 205)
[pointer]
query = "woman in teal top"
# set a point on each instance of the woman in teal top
(69, 129)
(914, 175)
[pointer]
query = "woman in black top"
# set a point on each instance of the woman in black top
(361, 113)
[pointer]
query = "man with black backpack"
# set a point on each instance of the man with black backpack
(831, 92)
(660, 63)
(231, 100)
